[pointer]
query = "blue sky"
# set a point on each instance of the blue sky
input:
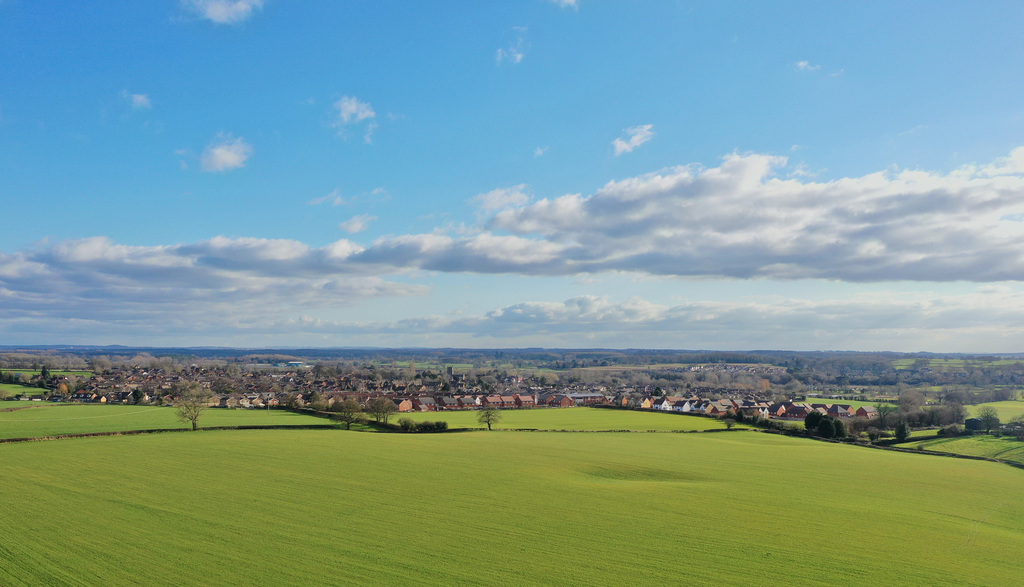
(729, 175)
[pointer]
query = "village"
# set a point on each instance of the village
(296, 385)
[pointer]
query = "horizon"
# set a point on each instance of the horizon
(259, 174)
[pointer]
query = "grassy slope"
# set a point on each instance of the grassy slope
(48, 419)
(1007, 410)
(331, 507)
(1005, 448)
(573, 419)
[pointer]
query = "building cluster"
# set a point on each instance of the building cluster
(297, 386)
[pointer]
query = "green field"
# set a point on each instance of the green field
(11, 390)
(312, 507)
(58, 372)
(1005, 447)
(53, 419)
(1007, 410)
(946, 365)
(582, 419)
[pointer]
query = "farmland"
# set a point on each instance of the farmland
(48, 420)
(314, 507)
(1004, 447)
(1007, 410)
(580, 419)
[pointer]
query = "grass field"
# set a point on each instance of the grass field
(582, 419)
(59, 372)
(1007, 410)
(1006, 448)
(11, 390)
(500, 508)
(50, 419)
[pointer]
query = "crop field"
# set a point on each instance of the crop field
(1005, 447)
(49, 419)
(580, 419)
(1007, 410)
(305, 507)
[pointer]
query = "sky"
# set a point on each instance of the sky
(728, 175)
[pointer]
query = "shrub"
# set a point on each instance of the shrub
(951, 430)
(407, 424)
(825, 428)
(838, 428)
(812, 420)
(902, 431)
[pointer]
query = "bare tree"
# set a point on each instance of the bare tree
(192, 402)
(489, 416)
(989, 417)
(348, 411)
(381, 409)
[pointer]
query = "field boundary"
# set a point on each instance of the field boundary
(162, 430)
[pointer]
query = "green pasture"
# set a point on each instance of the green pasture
(1005, 447)
(946, 365)
(312, 507)
(11, 390)
(577, 419)
(52, 419)
(1007, 410)
(58, 372)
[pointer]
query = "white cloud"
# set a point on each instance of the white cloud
(515, 51)
(357, 223)
(334, 198)
(351, 110)
(806, 66)
(221, 284)
(137, 101)
(740, 220)
(502, 198)
(225, 153)
(574, 4)
(224, 11)
(879, 320)
(635, 136)
(539, 151)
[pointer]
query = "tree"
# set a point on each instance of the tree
(192, 402)
(989, 417)
(348, 411)
(902, 431)
(489, 416)
(812, 419)
(839, 428)
(825, 428)
(884, 411)
(381, 409)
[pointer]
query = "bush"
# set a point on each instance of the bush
(410, 425)
(951, 430)
(839, 429)
(825, 428)
(432, 426)
(812, 420)
(902, 431)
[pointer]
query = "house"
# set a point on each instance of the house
(561, 401)
(525, 401)
(447, 402)
(866, 412)
(424, 404)
(403, 404)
